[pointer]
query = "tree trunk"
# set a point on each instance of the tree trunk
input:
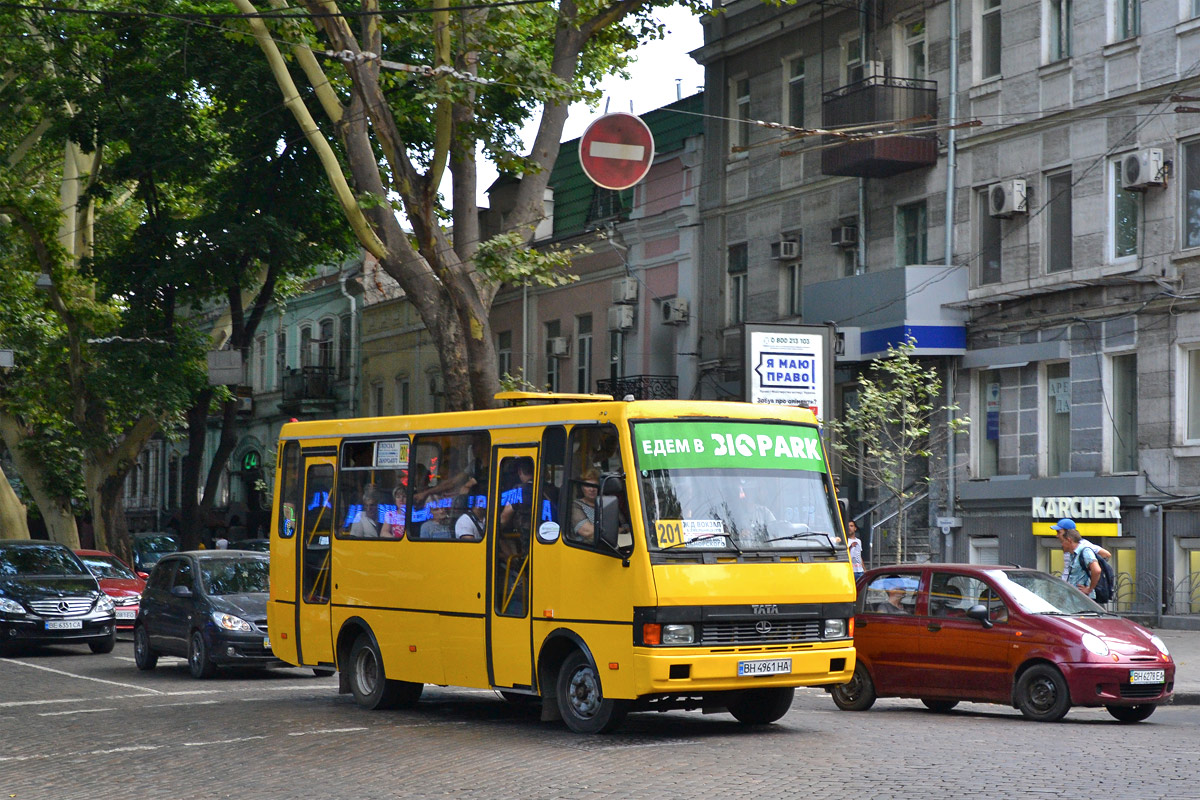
(107, 495)
(55, 509)
(13, 522)
(193, 518)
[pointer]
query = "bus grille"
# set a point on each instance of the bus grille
(716, 634)
(70, 605)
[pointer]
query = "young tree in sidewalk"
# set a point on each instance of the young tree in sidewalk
(891, 436)
(420, 91)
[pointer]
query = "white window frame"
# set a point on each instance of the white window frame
(1044, 419)
(791, 288)
(1110, 427)
(979, 428)
(1053, 38)
(902, 232)
(1186, 179)
(982, 11)
(790, 81)
(1183, 370)
(736, 286)
(983, 209)
(848, 64)
(504, 354)
(552, 330)
(1124, 20)
(1114, 186)
(739, 113)
(1048, 193)
(583, 353)
(903, 44)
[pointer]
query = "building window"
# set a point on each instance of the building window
(739, 134)
(504, 353)
(1124, 413)
(1123, 230)
(377, 399)
(553, 331)
(1191, 193)
(1058, 223)
(306, 346)
(849, 261)
(583, 353)
(795, 92)
(606, 205)
(989, 39)
(987, 462)
(344, 346)
(325, 344)
(1193, 394)
(914, 49)
(911, 233)
(402, 393)
(1058, 419)
(738, 263)
(616, 355)
(852, 58)
(793, 289)
(989, 242)
(1127, 19)
(280, 355)
(1058, 29)
(1195, 8)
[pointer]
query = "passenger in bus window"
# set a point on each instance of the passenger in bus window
(438, 525)
(517, 516)
(470, 524)
(368, 522)
(393, 520)
(583, 510)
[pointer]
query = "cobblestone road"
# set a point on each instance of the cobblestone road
(76, 725)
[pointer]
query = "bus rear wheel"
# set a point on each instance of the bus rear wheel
(371, 689)
(761, 706)
(581, 701)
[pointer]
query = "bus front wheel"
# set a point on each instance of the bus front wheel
(371, 689)
(761, 706)
(584, 707)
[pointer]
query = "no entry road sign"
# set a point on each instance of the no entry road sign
(616, 151)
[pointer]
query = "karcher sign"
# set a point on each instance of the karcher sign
(1094, 516)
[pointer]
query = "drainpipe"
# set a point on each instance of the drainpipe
(355, 351)
(951, 164)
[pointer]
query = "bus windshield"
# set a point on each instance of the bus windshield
(735, 485)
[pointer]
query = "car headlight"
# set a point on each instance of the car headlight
(1095, 644)
(105, 603)
(11, 607)
(834, 629)
(1154, 640)
(231, 623)
(678, 634)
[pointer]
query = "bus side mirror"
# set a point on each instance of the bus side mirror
(608, 519)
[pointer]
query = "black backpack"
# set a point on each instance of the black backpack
(1106, 589)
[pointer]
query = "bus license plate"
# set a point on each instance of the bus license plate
(774, 666)
(64, 624)
(1147, 676)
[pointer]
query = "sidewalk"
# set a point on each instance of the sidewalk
(1185, 649)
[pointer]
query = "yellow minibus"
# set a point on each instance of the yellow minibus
(597, 556)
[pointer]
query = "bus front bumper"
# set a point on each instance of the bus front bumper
(686, 670)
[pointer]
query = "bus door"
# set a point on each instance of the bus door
(314, 643)
(509, 635)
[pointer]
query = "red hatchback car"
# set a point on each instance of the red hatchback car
(123, 586)
(945, 633)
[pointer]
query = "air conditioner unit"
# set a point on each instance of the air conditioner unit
(675, 312)
(873, 69)
(558, 346)
(1007, 198)
(844, 236)
(625, 290)
(785, 249)
(245, 405)
(620, 318)
(1143, 169)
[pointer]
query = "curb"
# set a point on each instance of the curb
(1184, 699)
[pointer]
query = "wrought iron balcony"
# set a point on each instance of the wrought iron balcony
(308, 389)
(881, 99)
(642, 387)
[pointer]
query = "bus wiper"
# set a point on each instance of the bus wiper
(804, 535)
(701, 538)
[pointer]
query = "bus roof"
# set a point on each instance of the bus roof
(589, 411)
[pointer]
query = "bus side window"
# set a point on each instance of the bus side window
(450, 479)
(593, 451)
(554, 455)
(291, 491)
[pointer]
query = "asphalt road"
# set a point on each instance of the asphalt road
(77, 725)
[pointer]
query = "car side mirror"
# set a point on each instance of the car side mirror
(144, 575)
(980, 612)
(181, 591)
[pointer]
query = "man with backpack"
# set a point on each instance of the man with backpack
(1066, 525)
(1085, 567)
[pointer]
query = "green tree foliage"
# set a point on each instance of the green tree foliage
(890, 437)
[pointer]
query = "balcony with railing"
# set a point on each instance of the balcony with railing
(900, 105)
(641, 387)
(308, 390)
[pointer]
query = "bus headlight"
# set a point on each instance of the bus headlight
(834, 629)
(678, 634)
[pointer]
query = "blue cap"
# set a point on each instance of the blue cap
(1063, 525)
